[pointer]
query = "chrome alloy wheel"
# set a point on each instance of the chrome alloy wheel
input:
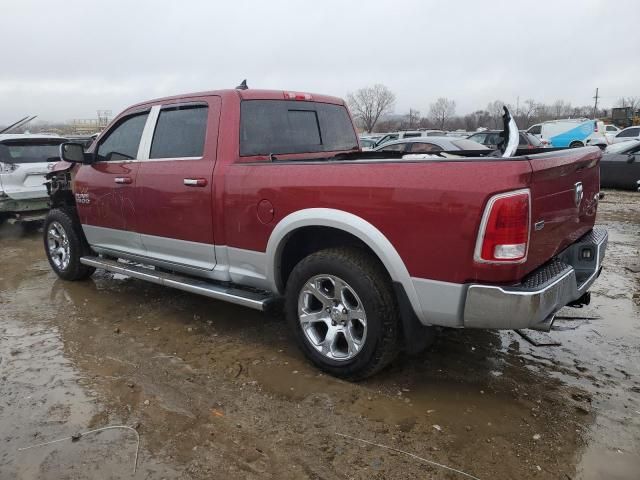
(58, 244)
(332, 317)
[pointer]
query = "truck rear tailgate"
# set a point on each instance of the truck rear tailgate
(564, 195)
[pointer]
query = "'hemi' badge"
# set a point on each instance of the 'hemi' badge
(539, 225)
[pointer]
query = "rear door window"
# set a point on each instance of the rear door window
(535, 130)
(180, 132)
(122, 142)
(289, 126)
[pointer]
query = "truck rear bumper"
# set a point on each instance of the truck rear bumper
(530, 304)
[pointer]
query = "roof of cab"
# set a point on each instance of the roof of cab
(249, 94)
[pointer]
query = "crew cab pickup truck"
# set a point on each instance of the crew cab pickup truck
(264, 198)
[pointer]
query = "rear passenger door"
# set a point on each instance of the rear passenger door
(174, 197)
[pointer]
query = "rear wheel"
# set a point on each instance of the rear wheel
(576, 144)
(64, 244)
(340, 304)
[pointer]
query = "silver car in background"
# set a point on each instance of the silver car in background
(25, 159)
(430, 145)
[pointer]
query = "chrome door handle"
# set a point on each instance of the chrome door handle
(195, 182)
(123, 180)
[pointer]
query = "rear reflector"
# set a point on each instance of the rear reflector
(504, 230)
(297, 96)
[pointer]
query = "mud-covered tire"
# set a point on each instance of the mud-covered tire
(363, 275)
(65, 252)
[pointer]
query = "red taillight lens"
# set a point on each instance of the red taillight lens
(297, 96)
(504, 231)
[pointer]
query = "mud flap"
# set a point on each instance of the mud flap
(416, 336)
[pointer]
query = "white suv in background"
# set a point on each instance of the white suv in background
(25, 159)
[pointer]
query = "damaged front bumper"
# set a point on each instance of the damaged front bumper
(533, 303)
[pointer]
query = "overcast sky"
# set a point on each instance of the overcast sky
(66, 59)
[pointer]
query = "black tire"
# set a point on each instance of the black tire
(367, 278)
(576, 145)
(66, 219)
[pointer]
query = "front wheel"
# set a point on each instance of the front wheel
(576, 145)
(340, 304)
(64, 244)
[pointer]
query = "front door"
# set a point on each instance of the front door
(174, 202)
(104, 190)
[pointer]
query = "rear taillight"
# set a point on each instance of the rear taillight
(8, 167)
(504, 230)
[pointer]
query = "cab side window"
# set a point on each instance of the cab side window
(180, 132)
(123, 140)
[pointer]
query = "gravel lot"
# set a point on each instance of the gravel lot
(217, 391)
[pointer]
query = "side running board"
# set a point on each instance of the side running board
(256, 299)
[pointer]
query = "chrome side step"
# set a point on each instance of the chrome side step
(255, 299)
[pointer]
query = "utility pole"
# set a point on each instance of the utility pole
(595, 106)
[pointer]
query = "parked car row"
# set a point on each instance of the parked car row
(493, 139)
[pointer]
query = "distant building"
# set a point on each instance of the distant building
(88, 126)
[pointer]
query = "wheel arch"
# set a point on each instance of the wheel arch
(347, 224)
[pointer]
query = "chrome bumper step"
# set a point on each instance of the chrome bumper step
(256, 299)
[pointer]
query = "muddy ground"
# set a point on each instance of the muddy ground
(218, 391)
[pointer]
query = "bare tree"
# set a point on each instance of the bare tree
(441, 110)
(370, 103)
(414, 117)
(495, 110)
(529, 110)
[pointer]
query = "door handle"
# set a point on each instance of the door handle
(195, 182)
(123, 180)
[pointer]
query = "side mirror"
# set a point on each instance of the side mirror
(74, 153)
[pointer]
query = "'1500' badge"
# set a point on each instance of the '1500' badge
(82, 198)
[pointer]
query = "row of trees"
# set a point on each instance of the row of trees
(373, 106)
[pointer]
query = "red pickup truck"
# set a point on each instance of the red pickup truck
(254, 196)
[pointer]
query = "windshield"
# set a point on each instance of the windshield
(622, 146)
(21, 151)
